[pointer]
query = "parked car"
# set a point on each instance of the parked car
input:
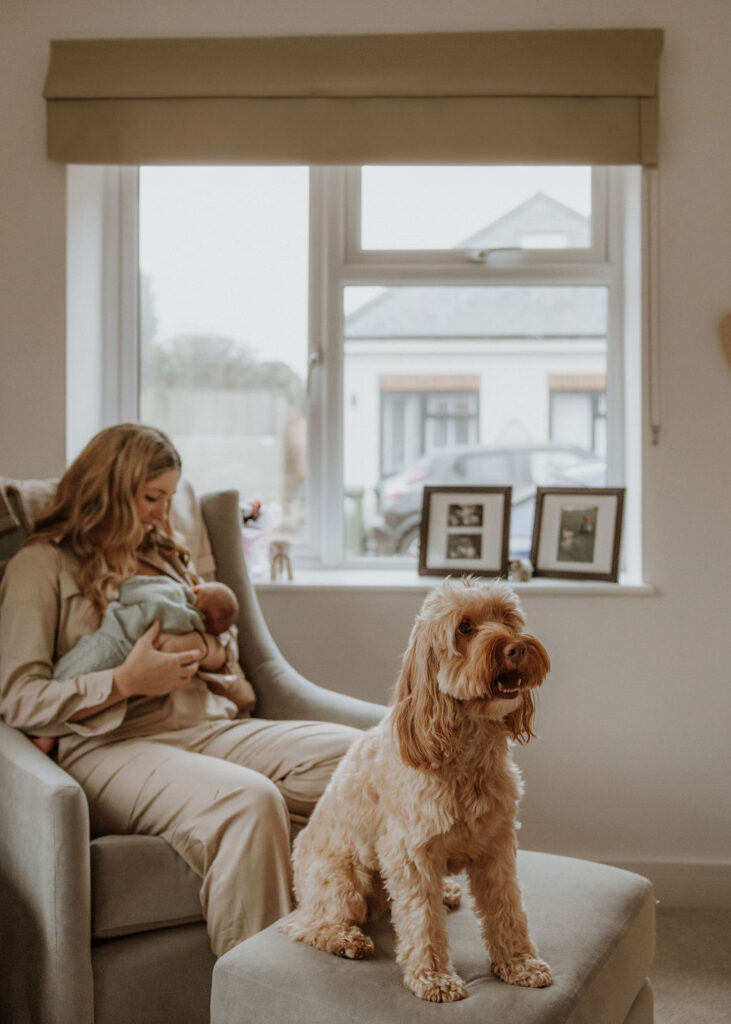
(522, 466)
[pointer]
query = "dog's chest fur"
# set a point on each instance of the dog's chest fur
(480, 798)
(467, 800)
(458, 807)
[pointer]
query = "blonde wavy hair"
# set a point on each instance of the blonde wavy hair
(93, 513)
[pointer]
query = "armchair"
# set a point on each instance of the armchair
(109, 929)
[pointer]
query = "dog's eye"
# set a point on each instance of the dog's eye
(465, 627)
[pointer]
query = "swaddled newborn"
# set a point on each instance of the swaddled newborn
(207, 608)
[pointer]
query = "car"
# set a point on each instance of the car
(523, 466)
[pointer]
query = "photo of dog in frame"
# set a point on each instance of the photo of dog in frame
(429, 793)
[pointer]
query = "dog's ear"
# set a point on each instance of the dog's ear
(423, 720)
(537, 667)
(520, 721)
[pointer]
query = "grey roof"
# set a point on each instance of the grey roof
(483, 311)
(492, 311)
(539, 214)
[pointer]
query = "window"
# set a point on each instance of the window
(419, 415)
(223, 286)
(427, 208)
(578, 413)
(329, 340)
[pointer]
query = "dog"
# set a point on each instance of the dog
(430, 792)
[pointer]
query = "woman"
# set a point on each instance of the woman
(154, 748)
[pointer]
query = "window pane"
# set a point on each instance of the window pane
(223, 357)
(453, 385)
(476, 207)
(489, 468)
(571, 417)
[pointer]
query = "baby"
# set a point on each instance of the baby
(206, 608)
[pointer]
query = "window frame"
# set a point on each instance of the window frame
(456, 258)
(344, 264)
(335, 264)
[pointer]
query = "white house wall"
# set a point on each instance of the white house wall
(502, 367)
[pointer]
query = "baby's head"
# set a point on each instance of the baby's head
(218, 605)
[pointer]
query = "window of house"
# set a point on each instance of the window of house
(330, 340)
(578, 411)
(419, 415)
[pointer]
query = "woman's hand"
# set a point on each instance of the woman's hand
(153, 673)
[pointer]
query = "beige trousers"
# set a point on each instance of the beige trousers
(221, 793)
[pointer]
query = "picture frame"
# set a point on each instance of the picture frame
(465, 530)
(577, 532)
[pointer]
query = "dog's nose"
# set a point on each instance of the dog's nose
(514, 653)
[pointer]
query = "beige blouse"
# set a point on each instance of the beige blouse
(42, 616)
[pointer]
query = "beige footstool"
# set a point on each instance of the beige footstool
(594, 924)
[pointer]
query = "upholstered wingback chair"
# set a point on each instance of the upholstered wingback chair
(108, 928)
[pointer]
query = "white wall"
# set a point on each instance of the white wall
(497, 367)
(633, 760)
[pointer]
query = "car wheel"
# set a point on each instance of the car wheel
(409, 543)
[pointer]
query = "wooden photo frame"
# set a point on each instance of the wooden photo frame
(577, 532)
(465, 530)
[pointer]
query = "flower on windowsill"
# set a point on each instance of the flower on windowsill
(250, 512)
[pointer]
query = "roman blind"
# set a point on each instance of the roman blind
(587, 97)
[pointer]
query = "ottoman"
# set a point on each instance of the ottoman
(595, 925)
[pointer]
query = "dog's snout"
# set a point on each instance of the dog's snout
(514, 652)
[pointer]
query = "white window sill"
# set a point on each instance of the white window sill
(408, 581)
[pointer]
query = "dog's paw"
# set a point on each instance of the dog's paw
(525, 970)
(436, 986)
(451, 893)
(331, 937)
(351, 943)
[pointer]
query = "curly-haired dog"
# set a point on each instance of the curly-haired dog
(429, 792)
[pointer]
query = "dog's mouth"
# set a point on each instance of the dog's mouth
(508, 684)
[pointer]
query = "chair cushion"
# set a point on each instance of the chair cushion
(139, 883)
(592, 923)
(187, 518)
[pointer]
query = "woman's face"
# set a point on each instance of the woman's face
(152, 501)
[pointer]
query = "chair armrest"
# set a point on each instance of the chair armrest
(287, 694)
(281, 692)
(45, 926)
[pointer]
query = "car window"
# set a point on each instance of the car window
(486, 468)
(587, 474)
(549, 467)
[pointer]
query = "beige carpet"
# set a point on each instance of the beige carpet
(691, 977)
